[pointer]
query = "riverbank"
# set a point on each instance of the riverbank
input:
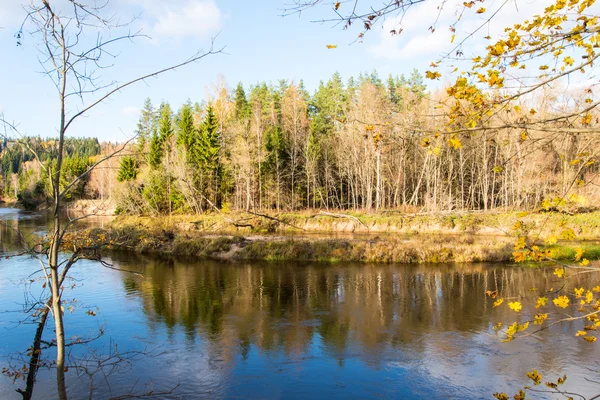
(585, 225)
(474, 237)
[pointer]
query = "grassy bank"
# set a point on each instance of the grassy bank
(426, 242)
(585, 225)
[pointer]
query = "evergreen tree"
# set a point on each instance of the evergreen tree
(156, 151)
(207, 154)
(165, 126)
(186, 132)
(128, 170)
(416, 84)
(146, 124)
(391, 86)
(242, 109)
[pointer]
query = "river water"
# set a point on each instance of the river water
(284, 330)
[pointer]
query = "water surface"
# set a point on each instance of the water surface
(285, 330)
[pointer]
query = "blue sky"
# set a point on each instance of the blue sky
(260, 45)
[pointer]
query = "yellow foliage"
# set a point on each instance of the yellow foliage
(524, 135)
(331, 46)
(520, 243)
(581, 333)
(541, 302)
(432, 75)
(578, 253)
(590, 339)
(567, 234)
(481, 10)
(561, 301)
(540, 318)
(498, 302)
(519, 256)
(535, 376)
(515, 306)
(455, 142)
(584, 262)
(578, 292)
(560, 272)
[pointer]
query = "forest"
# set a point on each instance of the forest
(364, 144)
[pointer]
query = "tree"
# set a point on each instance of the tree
(128, 169)
(70, 63)
(146, 125)
(207, 153)
(186, 132)
(156, 151)
(501, 101)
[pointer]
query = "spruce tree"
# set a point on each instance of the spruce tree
(207, 154)
(186, 132)
(156, 151)
(128, 170)
(242, 110)
(145, 124)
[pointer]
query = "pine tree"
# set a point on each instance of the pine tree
(128, 170)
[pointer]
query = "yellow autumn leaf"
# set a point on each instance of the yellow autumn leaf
(337, 5)
(515, 306)
(454, 142)
(561, 301)
(568, 61)
(540, 318)
(584, 262)
(524, 135)
(541, 302)
(578, 253)
(520, 243)
(518, 256)
(481, 10)
(432, 75)
(331, 46)
(596, 289)
(589, 297)
(535, 376)
(590, 339)
(498, 302)
(578, 292)
(560, 272)
(581, 333)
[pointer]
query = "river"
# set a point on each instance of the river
(284, 330)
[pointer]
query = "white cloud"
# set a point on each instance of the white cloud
(417, 41)
(180, 18)
(197, 18)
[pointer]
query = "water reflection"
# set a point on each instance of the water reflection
(384, 316)
(283, 330)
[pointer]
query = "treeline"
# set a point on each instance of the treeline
(363, 144)
(23, 178)
(366, 144)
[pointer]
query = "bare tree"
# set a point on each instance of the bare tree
(73, 48)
